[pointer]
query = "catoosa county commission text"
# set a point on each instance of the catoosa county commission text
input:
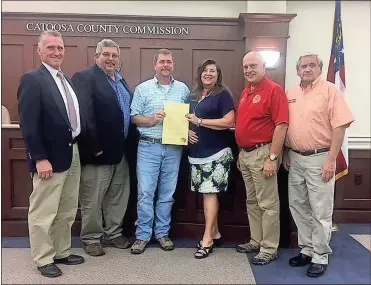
(109, 28)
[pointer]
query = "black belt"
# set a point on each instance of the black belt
(74, 140)
(310, 152)
(254, 147)
(148, 139)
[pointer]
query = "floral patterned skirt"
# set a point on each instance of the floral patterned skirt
(211, 177)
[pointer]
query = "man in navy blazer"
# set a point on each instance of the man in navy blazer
(105, 178)
(50, 121)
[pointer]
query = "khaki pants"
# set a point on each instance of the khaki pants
(53, 206)
(311, 203)
(262, 200)
(104, 195)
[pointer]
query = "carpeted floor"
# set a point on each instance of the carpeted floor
(350, 263)
(155, 266)
(365, 240)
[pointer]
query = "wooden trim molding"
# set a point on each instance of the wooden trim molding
(359, 142)
(258, 25)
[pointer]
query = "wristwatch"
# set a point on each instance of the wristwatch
(199, 122)
(273, 157)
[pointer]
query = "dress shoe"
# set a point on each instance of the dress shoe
(72, 259)
(316, 270)
(300, 260)
(50, 270)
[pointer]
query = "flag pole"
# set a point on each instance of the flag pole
(331, 76)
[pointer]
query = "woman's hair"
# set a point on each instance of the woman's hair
(218, 87)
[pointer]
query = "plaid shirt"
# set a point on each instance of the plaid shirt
(123, 97)
(150, 96)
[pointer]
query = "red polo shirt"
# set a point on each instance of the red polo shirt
(259, 112)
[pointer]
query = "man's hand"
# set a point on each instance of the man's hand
(44, 169)
(328, 169)
(193, 138)
(286, 160)
(158, 115)
(269, 168)
(99, 153)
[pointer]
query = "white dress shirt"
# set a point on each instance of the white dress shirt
(58, 81)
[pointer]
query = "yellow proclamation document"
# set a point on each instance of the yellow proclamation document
(175, 124)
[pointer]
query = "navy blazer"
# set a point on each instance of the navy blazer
(104, 118)
(44, 121)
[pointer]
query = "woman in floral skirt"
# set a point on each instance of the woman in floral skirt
(211, 115)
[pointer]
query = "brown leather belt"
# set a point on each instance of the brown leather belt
(310, 152)
(148, 139)
(248, 149)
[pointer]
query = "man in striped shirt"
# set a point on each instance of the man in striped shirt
(158, 164)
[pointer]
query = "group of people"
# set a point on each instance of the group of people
(77, 131)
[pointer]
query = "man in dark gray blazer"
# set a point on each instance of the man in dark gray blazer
(50, 121)
(105, 179)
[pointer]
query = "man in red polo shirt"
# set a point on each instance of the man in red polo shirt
(261, 123)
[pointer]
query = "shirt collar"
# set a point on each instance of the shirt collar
(117, 74)
(158, 82)
(52, 70)
(259, 86)
(311, 85)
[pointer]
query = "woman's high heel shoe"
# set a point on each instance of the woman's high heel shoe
(204, 251)
(218, 242)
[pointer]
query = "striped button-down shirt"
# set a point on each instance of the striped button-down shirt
(150, 96)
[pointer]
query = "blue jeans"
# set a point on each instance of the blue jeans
(157, 168)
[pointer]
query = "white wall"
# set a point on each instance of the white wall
(154, 8)
(266, 6)
(311, 30)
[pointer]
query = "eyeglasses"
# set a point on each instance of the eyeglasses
(108, 55)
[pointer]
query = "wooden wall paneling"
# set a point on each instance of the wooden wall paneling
(352, 200)
(16, 180)
(146, 62)
(230, 63)
(12, 56)
(16, 58)
(6, 197)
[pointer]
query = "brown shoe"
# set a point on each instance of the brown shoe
(247, 248)
(94, 249)
(263, 258)
(166, 243)
(139, 246)
(118, 242)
